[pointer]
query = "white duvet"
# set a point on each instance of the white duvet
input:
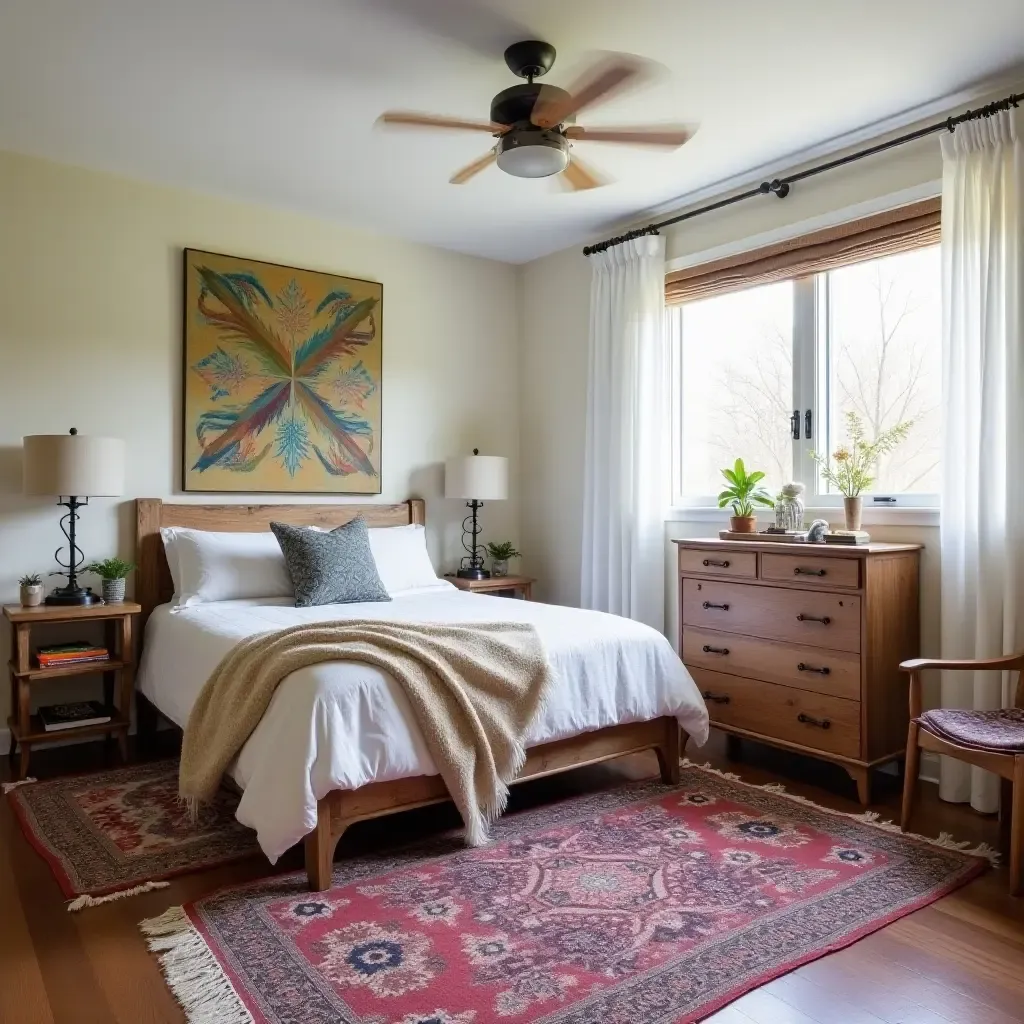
(342, 725)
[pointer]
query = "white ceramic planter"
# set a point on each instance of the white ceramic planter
(32, 596)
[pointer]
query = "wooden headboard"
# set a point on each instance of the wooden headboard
(153, 584)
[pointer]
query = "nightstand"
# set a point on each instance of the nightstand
(499, 586)
(26, 729)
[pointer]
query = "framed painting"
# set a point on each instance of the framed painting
(282, 378)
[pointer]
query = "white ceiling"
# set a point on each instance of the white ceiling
(274, 100)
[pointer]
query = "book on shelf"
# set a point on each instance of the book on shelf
(76, 652)
(76, 715)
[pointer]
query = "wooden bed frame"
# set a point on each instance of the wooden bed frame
(341, 808)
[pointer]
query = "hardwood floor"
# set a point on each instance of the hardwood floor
(959, 961)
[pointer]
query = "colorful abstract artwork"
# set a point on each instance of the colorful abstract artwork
(282, 378)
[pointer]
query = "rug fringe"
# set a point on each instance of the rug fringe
(944, 840)
(8, 786)
(192, 971)
(94, 901)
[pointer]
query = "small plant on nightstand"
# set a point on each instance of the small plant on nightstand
(31, 590)
(112, 571)
(501, 552)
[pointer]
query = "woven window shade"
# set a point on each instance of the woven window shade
(884, 234)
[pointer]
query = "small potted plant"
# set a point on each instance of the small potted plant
(501, 552)
(112, 571)
(742, 495)
(31, 590)
(851, 468)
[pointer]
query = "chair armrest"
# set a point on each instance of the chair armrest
(1007, 663)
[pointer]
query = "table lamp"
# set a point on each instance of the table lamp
(477, 478)
(75, 468)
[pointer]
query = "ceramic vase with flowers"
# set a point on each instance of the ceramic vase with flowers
(852, 467)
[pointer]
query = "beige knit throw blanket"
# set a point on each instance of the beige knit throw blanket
(474, 690)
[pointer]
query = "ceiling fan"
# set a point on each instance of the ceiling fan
(535, 124)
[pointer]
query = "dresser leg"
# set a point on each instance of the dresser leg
(862, 776)
(24, 752)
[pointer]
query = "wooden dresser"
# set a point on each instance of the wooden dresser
(799, 645)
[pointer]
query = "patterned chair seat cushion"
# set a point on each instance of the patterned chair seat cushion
(981, 730)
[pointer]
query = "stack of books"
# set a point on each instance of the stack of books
(74, 653)
(847, 537)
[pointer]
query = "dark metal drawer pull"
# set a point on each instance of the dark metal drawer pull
(716, 698)
(711, 561)
(708, 604)
(812, 618)
(719, 650)
(821, 723)
(807, 668)
(808, 572)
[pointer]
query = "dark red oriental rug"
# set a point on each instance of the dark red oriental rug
(634, 906)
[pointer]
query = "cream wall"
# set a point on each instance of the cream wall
(555, 297)
(90, 331)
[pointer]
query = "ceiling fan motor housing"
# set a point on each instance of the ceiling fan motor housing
(533, 153)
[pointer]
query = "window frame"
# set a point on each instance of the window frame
(810, 392)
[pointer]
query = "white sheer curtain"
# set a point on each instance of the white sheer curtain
(626, 472)
(983, 399)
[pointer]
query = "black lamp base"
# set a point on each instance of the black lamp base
(73, 596)
(473, 573)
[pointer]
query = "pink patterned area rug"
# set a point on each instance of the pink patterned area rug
(639, 905)
(111, 831)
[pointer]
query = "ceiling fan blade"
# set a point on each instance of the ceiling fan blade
(579, 176)
(607, 77)
(470, 170)
(410, 118)
(667, 135)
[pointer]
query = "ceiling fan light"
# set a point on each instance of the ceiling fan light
(533, 154)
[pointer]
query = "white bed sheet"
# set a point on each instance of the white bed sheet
(341, 725)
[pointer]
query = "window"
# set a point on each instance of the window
(770, 373)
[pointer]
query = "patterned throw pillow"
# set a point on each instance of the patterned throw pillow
(330, 568)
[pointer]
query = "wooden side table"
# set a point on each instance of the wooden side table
(500, 586)
(26, 729)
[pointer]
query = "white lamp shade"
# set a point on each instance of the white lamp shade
(483, 477)
(73, 464)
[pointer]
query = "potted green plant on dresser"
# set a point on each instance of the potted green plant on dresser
(742, 495)
(501, 552)
(112, 572)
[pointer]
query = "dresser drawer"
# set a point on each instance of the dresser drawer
(782, 712)
(810, 618)
(835, 673)
(833, 572)
(694, 561)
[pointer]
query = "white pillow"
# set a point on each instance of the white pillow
(401, 556)
(208, 566)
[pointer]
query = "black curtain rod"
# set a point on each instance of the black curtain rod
(781, 186)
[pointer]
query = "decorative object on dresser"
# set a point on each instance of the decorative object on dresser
(789, 508)
(992, 740)
(112, 571)
(122, 831)
(800, 647)
(742, 495)
(500, 552)
(282, 378)
(118, 669)
(475, 478)
(641, 903)
(851, 467)
(73, 467)
(500, 586)
(31, 590)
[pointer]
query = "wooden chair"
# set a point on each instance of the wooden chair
(993, 740)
